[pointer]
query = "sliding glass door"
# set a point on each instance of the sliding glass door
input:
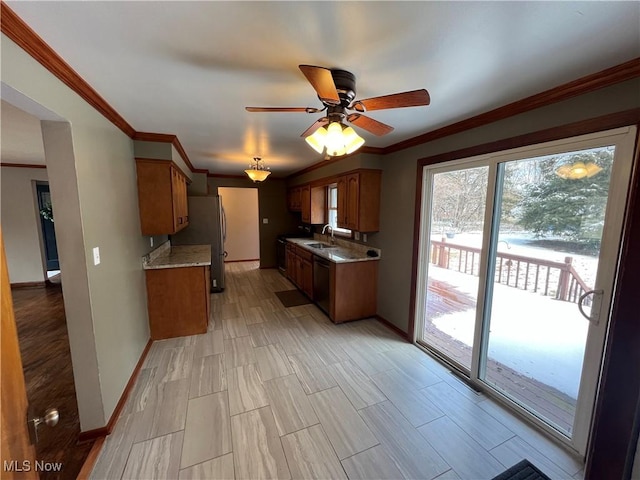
(517, 267)
(458, 199)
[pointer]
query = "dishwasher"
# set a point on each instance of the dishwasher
(321, 291)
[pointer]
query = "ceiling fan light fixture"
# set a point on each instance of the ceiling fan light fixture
(336, 138)
(257, 170)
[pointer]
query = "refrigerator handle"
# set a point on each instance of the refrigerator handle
(224, 225)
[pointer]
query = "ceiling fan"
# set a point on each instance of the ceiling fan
(336, 90)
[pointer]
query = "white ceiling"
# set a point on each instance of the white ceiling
(190, 68)
(21, 137)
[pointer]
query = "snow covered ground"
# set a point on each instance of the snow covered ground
(535, 335)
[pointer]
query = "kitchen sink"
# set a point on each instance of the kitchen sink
(320, 245)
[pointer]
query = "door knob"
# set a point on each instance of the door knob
(50, 419)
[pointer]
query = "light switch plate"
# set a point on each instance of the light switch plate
(96, 255)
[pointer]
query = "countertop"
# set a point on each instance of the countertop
(167, 256)
(342, 252)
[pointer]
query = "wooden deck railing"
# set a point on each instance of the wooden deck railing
(556, 279)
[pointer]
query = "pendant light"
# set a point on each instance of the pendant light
(257, 170)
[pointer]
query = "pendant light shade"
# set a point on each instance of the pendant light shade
(257, 171)
(337, 138)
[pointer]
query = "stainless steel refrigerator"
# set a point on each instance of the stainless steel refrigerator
(207, 225)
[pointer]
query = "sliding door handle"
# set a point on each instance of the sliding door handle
(594, 317)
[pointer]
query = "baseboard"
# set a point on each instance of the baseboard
(392, 327)
(108, 428)
(90, 461)
(28, 284)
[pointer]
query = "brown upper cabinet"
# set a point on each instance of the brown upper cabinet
(359, 200)
(162, 197)
(293, 199)
(313, 202)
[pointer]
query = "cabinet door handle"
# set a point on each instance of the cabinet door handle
(180, 221)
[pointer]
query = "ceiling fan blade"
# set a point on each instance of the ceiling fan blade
(369, 124)
(311, 130)
(321, 80)
(414, 98)
(282, 109)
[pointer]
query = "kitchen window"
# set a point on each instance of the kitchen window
(332, 209)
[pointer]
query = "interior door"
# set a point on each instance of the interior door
(16, 448)
(48, 231)
(526, 317)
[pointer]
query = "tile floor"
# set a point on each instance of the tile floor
(274, 392)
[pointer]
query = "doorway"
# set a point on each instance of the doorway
(518, 257)
(37, 293)
(240, 207)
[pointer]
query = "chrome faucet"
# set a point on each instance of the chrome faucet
(330, 228)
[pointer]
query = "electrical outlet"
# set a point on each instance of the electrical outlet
(356, 235)
(215, 283)
(96, 255)
(364, 237)
(151, 241)
(265, 220)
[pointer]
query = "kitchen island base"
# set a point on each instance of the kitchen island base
(178, 300)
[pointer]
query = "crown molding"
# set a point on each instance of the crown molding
(374, 150)
(18, 31)
(21, 165)
(167, 138)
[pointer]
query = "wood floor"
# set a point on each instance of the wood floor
(46, 359)
(275, 392)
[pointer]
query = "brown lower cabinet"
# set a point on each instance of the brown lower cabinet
(299, 268)
(353, 286)
(178, 301)
(353, 290)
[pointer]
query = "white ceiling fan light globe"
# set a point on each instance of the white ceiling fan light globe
(334, 140)
(337, 152)
(352, 140)
(317, 139)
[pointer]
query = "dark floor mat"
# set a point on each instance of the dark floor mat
(524, 470)
(292, 298)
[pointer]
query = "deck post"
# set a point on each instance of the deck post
(442, 254)
(563, 280)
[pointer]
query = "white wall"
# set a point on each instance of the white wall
(92, 177)
(241, 208)
(21, 223)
